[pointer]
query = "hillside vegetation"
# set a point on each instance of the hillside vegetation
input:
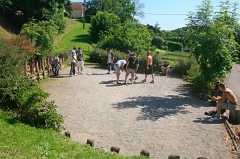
(19, 140)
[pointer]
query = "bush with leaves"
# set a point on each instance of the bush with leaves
(22, 95)
(100, 56)
(182, 66)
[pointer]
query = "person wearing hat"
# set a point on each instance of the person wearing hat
(215, 92)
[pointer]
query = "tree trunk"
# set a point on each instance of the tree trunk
(25, 68)
(37, 68)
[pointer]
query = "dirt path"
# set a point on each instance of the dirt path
(162, 118)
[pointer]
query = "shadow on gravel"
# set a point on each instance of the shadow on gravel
(154, 108)
(60, 76)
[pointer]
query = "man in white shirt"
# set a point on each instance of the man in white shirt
(119, 65)
(73, 61)
(110, 60)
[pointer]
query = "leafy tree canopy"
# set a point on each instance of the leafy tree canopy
(124, 9)
(23, 11)
(212, 37)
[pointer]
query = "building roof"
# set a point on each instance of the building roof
(77, 5)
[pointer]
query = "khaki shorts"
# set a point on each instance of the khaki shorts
(227, 105)
(129, 70)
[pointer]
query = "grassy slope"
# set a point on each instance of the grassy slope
(75, 36)
(22, 141)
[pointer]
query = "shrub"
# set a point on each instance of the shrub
(100, 56)
(174, 46)
(21, 95)
(199, 85)
(158, 41)
(182, 66)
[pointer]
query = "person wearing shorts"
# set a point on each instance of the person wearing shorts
(149, 68)
(227, 101)
(131, 66)
(119, 67)
(165, 68)
(80, 59)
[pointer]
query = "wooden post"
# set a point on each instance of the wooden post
(145, 153)
(90, 142)
(173, 157)
(115, 149)
(33, 66)
(67, 134)
(25, 67)
(37, 68)
(234, 116)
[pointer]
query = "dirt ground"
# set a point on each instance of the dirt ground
(162, 118)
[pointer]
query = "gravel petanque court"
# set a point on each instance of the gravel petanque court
(162, 118)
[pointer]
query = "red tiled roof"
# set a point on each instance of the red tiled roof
(77, 5)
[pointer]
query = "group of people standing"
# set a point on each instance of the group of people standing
(76, 56)
(131, 64)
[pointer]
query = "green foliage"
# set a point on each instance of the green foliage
(199, 84)
(100, 56)
(158, 41)
(127, 36)
(174, 46)
(24, 141)
(41, 34)
(123, 9)
(182, 66)
(102, 22)
(22, 95)
(212, 50)
(31, 10)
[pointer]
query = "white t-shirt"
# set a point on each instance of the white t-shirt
(110, 58)
(120, 62)
(73, 54)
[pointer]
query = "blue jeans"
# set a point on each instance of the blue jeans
(72, 70)
(55, 70)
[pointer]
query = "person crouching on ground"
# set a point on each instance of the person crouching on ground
(119, 65)
(227, 101)
(165, 68)
(55, 63)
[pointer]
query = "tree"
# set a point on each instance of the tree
(101, 23)
(41, 34)
(126, 36)
(212, 38)
(23, 11)
(124, 9)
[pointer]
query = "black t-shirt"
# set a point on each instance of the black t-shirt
(165, 65)
(79, 55)
(133, 61)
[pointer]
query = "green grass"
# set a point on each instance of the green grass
(76, 36)
(22, 141)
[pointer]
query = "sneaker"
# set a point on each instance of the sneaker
(144, 80)
(108, 73)
(152, 82)
(136, 78)
(75, 74)
(70, 75)
(215, 118)
(79, 73)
